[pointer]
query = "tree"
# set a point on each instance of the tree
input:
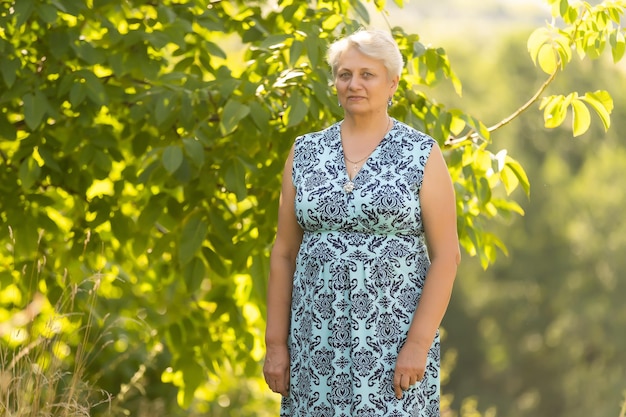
(535, 329)
(143, 157)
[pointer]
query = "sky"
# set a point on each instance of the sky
(445, 20)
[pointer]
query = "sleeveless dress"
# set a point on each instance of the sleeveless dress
(358, 279)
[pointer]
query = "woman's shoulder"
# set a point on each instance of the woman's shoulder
(319, 136)
(410, 134)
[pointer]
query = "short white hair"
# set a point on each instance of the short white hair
(376, 44)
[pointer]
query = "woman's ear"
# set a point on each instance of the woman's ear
(394, 82)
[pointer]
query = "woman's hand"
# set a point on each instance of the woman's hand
(276, 369)
(410, 367)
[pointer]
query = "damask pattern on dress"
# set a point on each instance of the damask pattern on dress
(359, 276)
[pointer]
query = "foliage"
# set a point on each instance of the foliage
(143, 141)
(539, 333)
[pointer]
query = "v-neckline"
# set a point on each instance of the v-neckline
(342, 156)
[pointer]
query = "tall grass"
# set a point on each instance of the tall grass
(42, 349)
(43, 375)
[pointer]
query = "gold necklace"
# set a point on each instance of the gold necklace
(348, 187)
(356, 163)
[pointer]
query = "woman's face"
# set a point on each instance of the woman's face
(363, 84)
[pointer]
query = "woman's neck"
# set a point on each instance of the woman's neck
(370, 126)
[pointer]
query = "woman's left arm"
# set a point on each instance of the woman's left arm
(438, 205)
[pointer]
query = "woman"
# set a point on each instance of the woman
(355, 298)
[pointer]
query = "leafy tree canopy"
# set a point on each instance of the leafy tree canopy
(142, 145)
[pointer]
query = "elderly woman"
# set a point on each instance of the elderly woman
(365, 255)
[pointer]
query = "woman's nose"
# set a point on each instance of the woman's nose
(354, 83)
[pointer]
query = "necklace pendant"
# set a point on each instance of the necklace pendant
(348, 186)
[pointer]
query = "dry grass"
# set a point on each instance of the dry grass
(43, 375)
(42, 354)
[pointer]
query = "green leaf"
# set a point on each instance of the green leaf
(215, 50)
(78, 92)
(86, 154)
(602, 103)
(194, 273)
(549, 49)
(232, 114)
(418, 49)
(7, 129)
(151, 212)
(508, 206)
(184, 173)
(47, 12)
(215, 262)
(259, 269)
(25, 238)
(163, 106)
(88, 52)
(334, 20)
(536, 41)
(35, 106)
(193, 375)
(483, 190)
(235, 178)
(618, 45)
(509, 179)
(295, 52)
(140, 143)
(569, 14)
(519, 172)
(273, 41)
(191, 238)
(175, 336)
(547, 59)
(296, 110)
(554, 110)
(195, 151)
(581, 119)
(23, 9)
(94, 89)
(312, 49)
(102, 161)
(59, 44)
(260, 115)
(172, 158)
(287, 78)
(563, 7)
(9, 70)
(360, 9)
(49, 159)
(29, 172)
(72, 8)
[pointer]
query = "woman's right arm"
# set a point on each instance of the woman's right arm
(280, 284)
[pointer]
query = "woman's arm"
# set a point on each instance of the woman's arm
(280, 283)
(439, 218)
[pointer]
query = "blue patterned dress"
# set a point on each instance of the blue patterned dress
(359, 275)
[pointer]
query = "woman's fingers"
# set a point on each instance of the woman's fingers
(276, 370)
(284, 388)
(403, 382)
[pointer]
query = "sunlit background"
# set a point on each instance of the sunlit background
(543, 332)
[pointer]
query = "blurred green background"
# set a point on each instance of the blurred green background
(542, 333)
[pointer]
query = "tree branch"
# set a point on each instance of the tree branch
(473, 136)
(525, 107)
